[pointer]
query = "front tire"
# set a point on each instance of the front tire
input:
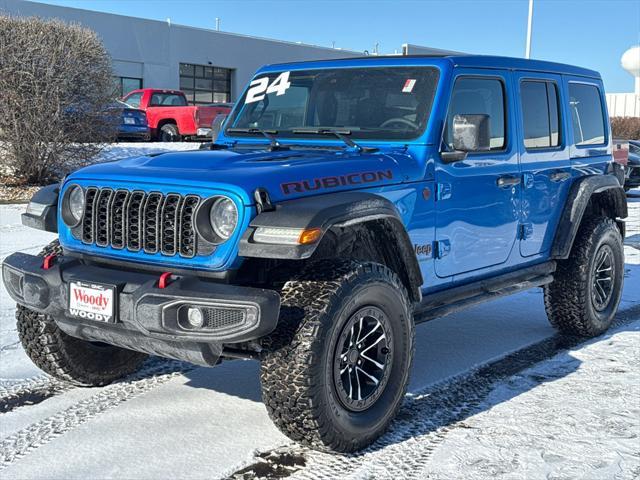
(68, 358)
(584, 296)
(337, 367)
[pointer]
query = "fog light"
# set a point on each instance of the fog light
(194, 316)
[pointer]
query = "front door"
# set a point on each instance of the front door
(477, 198)
(544, 158)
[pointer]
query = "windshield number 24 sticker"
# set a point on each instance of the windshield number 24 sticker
(261, 87)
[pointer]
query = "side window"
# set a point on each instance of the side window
(134, 100)
(539, 102)
(473, 95)
(587, 115)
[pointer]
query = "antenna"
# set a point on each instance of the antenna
(529, 22)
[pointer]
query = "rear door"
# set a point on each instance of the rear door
(544, 158)
(477, 198)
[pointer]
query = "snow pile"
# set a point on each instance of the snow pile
(117, 151)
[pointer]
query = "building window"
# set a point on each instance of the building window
(205, 84)
(539, 100)
(125, 85)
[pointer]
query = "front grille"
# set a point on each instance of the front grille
(136, 220)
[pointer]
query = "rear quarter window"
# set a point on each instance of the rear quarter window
(587, 114)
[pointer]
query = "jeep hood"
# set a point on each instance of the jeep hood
(286, 174)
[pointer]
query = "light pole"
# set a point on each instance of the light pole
(529, 21)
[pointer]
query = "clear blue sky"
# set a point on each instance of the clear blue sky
(589, 33)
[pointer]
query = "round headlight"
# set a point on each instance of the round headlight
(76, 203)
(224, 217)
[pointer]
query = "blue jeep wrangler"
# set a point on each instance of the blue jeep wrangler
(342, 203)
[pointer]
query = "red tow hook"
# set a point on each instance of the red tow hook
(165, 279)
(48, 261)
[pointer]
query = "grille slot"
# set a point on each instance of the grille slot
(150, 229)
(134, 221)
(137, 220)
(169, 224)
(88, 219)
(102, 217)
(187, 232)
(117, 218)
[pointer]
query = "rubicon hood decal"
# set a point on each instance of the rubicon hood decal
(354, 179)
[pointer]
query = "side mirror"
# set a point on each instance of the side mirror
(216, 126)
(471, 133)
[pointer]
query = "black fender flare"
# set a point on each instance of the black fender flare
(581, 193)
(341, 209)
(45, 216)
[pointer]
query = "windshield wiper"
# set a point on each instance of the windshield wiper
(339, 133)
(268, 134)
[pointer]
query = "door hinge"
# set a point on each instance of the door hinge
(441, 248)
(525, 231)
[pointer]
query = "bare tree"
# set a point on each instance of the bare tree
(56, 86)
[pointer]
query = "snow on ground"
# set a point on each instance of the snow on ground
(117, 151)
(494, 393)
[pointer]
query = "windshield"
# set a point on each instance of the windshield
(372, 103)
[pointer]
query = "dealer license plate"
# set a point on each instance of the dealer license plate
(129, 120)
(91, 301)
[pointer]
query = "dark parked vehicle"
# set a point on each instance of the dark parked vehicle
(632, 171)
(132, 123)
(343, 203)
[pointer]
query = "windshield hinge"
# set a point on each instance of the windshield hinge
(263, 200)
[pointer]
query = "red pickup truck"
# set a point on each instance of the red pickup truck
(170, 116)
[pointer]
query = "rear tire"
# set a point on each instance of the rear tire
(67, 358)
(337, 367)
(584, 296)
(169, 133)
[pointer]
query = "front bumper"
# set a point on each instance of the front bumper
(146, 318)
(137, 132)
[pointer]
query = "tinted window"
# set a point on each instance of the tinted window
(540, 114)
(479, 96)
(587, 115)
(167, 100)
(134, 100)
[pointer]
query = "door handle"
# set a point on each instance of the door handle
(508, 181)
(559, 176)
